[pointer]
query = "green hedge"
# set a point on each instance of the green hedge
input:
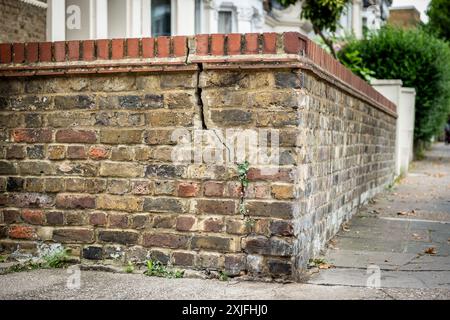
(421, 61)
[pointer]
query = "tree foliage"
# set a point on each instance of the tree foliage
(421, 61)
(323, 14)
(439, 18)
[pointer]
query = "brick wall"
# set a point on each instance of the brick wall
(87, 141)
(21, 21)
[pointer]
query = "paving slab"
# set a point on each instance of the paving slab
(395, 232)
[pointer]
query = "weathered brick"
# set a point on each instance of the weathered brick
(97, 218)
(14, 184)
(33, 216)
(54, 218)
(73, 235)
(121, 203)
(265, 246)
(95, 185)
(227, 207)
(11, 216)
(166, 188)
(282, 210)
(93, 253)
(183, 258)
(141, 187)
(118, 221)
(164, 205)
(74, 201)
(280, 175)
(32, 135)
(121, 237)
(56, 152)
(139, 221)
(165, 240)
(36, 168)
(220, 244)
(120, 169)
(34, 185)
(185, 223)
(74, 102)
(75, 218)
(76, 153)
(236, 226)
(231, 117)
(212, 225)
(98, 152)
(7, 167)
(288, 80)
(142, 153)
(188, 189)
(281, 228)
(164, 171)
(159, 137)
(15, 152)
(35, 152)
(76, 136)
(180, 81)
(213, 189)
(179, 100)
(121, 154)
(22, 232)
(31, 200)
(148, 101)
(282, 192)
(170, 119)
(163, 221)
(209, 260)
(234, 264)
(279, 267)
(116, 186)
(122, 136)
(75, 184)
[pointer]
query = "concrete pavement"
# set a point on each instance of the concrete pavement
(404, 233)
(383, 246)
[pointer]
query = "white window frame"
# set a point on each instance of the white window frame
(232, 9)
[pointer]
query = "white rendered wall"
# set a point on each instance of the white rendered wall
(404, 99)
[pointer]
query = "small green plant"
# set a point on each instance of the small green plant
(223, 276)
(317, 261)
(243, 169)
(250, 223)
(26, 266)
(3, 259)
(56, 259)
(157, 269)
(130, 267)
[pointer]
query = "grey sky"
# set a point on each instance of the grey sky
(420, 5)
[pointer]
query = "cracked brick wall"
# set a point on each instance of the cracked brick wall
(87, 140)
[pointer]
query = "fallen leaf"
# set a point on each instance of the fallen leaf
(325, 266)
(430, 250)
(416, 236)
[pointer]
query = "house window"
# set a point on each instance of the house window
(225, 22)
(161, 12)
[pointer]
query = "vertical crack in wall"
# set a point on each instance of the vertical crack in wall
(198, 94)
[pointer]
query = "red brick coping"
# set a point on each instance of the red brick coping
(175, 53)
